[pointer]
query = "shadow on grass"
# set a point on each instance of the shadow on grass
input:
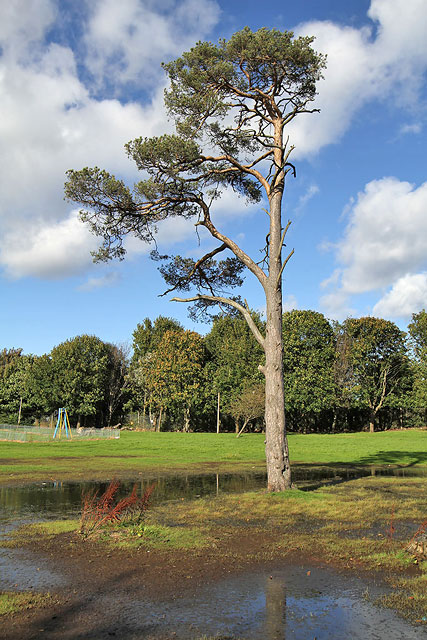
(399, 459)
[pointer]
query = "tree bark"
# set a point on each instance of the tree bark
(186, 428)
(276, 446)
(159, 424)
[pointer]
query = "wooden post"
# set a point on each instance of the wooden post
(217, 414)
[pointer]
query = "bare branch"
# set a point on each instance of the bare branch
(283, 266)
(238, 252)
(282, 240)
(245, 312)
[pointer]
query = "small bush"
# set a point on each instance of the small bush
(99, 510)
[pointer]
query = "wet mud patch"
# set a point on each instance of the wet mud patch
(257, 604)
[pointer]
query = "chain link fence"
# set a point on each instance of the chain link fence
(15, 433)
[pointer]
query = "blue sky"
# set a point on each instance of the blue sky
(80, 78)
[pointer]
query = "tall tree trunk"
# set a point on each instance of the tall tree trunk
(276, 445)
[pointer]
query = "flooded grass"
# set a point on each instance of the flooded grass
(409, 597)
(362, 526)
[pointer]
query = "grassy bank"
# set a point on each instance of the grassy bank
(171, 452)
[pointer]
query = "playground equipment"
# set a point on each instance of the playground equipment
(62, 424)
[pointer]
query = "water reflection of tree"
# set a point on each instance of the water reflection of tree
(275, 609)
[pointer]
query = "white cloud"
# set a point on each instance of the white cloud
(23, 24)
(385, 240)
(130, 38)
(364, 64)
(386, 236)
(407, 296)
(48, 251)
(49, 122)
(336, 304)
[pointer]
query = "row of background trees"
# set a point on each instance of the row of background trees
(362, 373)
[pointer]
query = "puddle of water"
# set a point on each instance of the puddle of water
(285, 604)
(259, 606)
(22, 571)
(63, 499)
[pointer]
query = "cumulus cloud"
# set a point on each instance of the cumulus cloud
(50, 119)
(385, 240)
(50, 122)
(386, 57)
(407, 295)
(129, 38)
(23, 24)
(48, 251)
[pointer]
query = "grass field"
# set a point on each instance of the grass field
(171, 452)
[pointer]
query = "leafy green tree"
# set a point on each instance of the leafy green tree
(418, 333)
(234, 359)
(117, 383)
(80, 368)
(174, 373)
(343, 378)
(40, 386)
(14, 367)
(379, 363)
(309, 353)
(147, 335)
(146, 338)
(231, 103)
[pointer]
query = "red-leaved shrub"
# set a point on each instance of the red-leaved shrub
(98, 510)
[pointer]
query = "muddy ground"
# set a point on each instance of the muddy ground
(106, 593)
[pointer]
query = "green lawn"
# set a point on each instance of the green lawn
(172, 452)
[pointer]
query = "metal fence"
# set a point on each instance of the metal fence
(20, 433)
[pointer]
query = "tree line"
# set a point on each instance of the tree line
(363, 373)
